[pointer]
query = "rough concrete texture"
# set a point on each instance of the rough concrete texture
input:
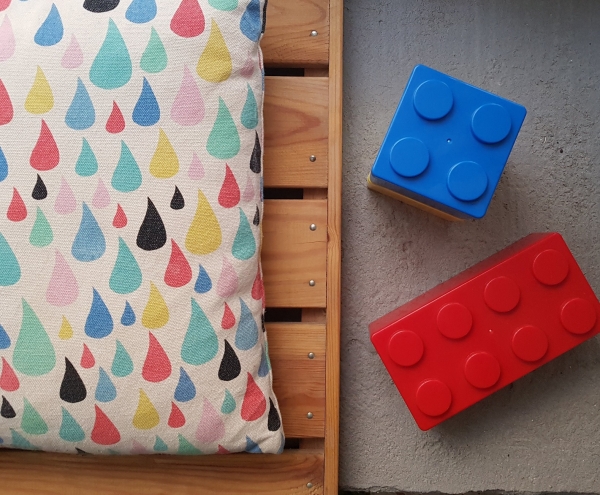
(542, 433)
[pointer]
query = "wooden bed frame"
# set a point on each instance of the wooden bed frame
(303, 58)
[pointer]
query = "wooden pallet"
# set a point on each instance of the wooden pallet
(302, 119)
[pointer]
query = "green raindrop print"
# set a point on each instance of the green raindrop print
(87, 164)
(126, 276)
(127, 177)
(226, 5)
(244, 245)
(224, 140)
(10, 273)
(228, 403)
(154, 58)
(70, 431)
(112, 66)
(34, 354)
(186, 448)
(160, 445)
(200, 344)
(20, 442)
(122, 364)
(41, 233)
(250, 111)
(32, 422)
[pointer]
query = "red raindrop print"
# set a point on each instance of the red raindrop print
(8, 379)
(4, 4)
(17, 210)
(157, 366)
(120, 219)
(176, 418)
(87, 358)
(255, 404)
(222, 450)
(228, 320)
(104, 432)
(45, 155)
(6, 108)
(188, 20)
(258, 289)
(115, 122)
(179, 272)
(230, 191)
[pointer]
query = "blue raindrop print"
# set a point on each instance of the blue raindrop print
(252, 447)
(99, 322)
(51, 31)
(4, 339)
(89, 243)
(250, 23)
(105, 390)
(3, 165)
(146, 111)
(128, 317)
(246, 335)
(203, 283)
(185, 390)
(263, 369)
(141, 11)
(81, 114)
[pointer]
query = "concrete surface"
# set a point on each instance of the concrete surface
(543, 433)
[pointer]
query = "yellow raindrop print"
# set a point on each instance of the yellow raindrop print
(146, 416)
(164, 163)
(204, 235)
(215, 62)
(66, 330)
(156, 313)
(40, 99)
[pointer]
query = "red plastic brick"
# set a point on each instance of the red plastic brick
(486, 327)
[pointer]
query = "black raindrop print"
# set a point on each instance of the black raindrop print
(256, 220)
(264, 17)
(99, 6)
(7, 411)
(274, 422)
(72, 388)
(177, 203)
(81, 452)
(255, 159)
(152, 234)
(262, 323)
(230, 365)
(39, 191)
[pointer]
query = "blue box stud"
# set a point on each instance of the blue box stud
(447, 146)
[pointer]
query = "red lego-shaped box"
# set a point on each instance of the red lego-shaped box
(486, 327)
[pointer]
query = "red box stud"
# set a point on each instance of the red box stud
(487, 327)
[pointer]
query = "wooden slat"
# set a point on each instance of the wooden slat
(299, 382)
(296, 127)
(292, 254)
(62, 474)
(287, 41)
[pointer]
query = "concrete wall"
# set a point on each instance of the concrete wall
(543, 433)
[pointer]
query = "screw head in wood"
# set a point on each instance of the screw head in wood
(311, 355)
(309, 415)
(312, 283)
(313, 158)
(313, 227)
(309, 485)
(314, 33)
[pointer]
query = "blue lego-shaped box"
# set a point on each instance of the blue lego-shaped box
(447, 145)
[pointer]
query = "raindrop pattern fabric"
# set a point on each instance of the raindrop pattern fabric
(131, 143)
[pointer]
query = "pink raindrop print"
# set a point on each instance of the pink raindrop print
(104, 432)
(176, 418)
(87, 358)
(179, 271)
(211, 427)
(73, 56)
(188, 20)
(229, 196)
(157, 366)
(116, 122)
(6, 107)
(138, 449)
(248, 194)
(248, 68)
(63, 288)
(120, 219)
(228, 320)
(255, 404)
(188, 107)
(196, 170)
(45, 155)
(8, 379)
(17, 211)
(65, 201)
(7, 39)
(228, 281)
(101, 197)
